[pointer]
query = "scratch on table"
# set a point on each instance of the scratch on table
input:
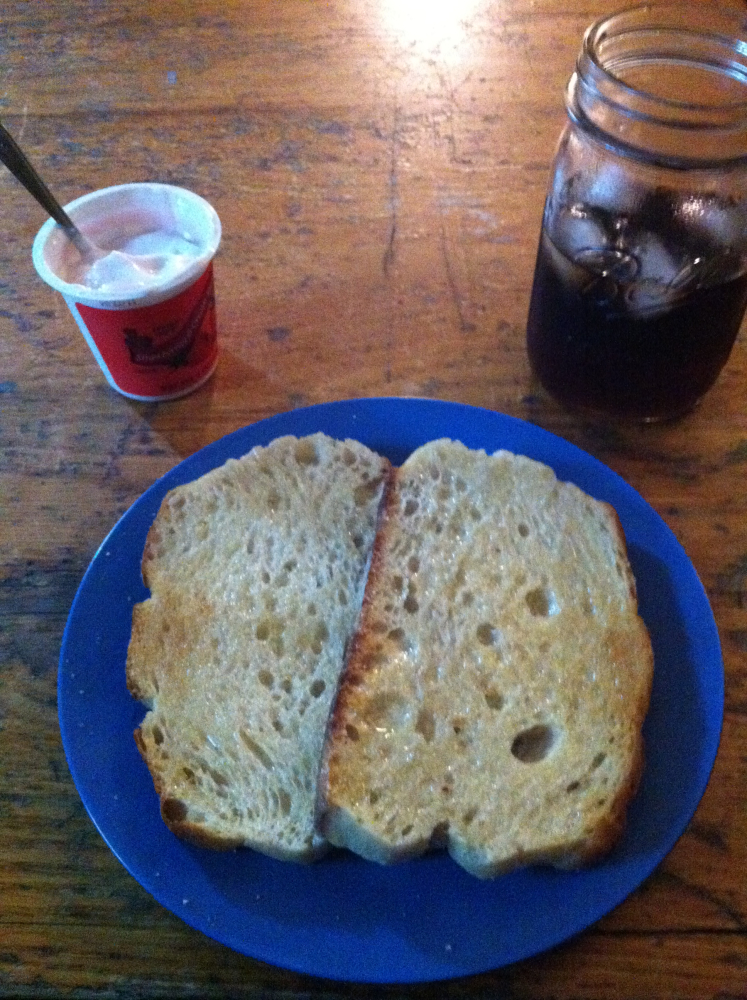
(389, 250)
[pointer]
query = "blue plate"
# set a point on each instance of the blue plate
(345, 918)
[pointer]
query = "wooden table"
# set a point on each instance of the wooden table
(379, 167)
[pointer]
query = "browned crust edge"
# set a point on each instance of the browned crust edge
(355, 666)
(153, 538)
(191, 832)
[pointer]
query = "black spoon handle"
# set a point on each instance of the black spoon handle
(19, 165)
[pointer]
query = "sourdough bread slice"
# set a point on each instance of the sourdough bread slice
(256, 573)
(495, 689)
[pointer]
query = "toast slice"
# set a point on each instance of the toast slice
(256, 573)
(494, 692)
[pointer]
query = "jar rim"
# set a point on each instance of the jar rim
(686, 19)
(671, 38)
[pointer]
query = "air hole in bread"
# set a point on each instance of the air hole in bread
(598, 761)
(426, 724)
(189, 774)
(444, 493)
(487, 634)
(458, 724)
(270, 630)
(541, 602)
(342, 597)
(305, 452)
(287, 685)
(311, 609)
(573, 787)
(173, 810)
(358, 541)
(348, 456)
(407, 830)
(475, 514)
(321, 634)
(435, 472)
(413, 564)
(533, 744)
(365, 492)
(440, 835)
(157, 735)
(467, 598)
(410, 507)
(265, 678)
(399, 637)
(374, 796)
(456, 527)
(285, 802)
(317, 688)
(523, 529)
(252, 745)
(469, 815)
(277, 725)
(265, 576)
(352, 732)
(411, 602)
(218, 777)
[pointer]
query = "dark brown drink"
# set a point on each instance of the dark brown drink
(597, 343)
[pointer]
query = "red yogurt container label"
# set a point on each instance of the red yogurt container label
(157, 351)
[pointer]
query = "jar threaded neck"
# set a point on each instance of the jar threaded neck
(666, 84)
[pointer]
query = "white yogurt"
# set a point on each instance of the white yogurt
(139, 263)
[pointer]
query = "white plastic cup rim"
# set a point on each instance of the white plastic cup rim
(189, 208)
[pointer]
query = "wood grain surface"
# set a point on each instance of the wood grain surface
(379, 167)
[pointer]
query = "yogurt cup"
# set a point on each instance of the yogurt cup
(154, 338)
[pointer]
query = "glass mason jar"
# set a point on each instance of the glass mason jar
(641, 278)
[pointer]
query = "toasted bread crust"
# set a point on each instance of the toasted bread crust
(357, 659)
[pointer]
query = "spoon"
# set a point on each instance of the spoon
(17, 162)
